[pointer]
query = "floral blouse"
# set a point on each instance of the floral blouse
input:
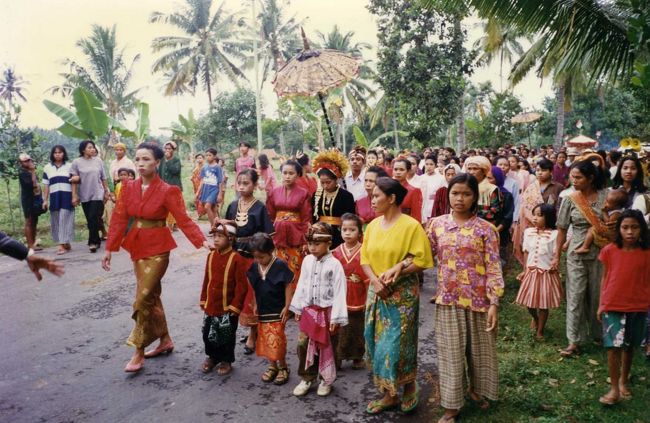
(469, 269)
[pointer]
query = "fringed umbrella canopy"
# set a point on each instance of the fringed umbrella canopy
(527, 117)
(582, 141)
(314, 72)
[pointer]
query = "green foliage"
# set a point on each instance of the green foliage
(421, 64)
(616, 112)
(105, 74)
(231, 120)
(488, 116)
(207, 48)
(185, 129)
(87, 121)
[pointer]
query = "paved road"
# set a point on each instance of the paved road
(62, 355)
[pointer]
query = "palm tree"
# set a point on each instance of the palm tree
(589, 34)
(106, 74)
(10, 87)
(357, 91)
(499, 42)
(207, 49)
(279, 37)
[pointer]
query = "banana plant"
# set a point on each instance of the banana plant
(87, 121)
(362, 140)
(185, 129)
(90, 121)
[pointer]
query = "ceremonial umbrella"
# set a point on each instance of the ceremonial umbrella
(582, 142)
(526, 117)
(313, 72)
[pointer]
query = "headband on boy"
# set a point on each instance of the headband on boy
(225, 229)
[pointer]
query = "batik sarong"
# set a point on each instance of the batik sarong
(148, 312)
(391, 334)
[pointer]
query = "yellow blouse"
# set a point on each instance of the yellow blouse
(383, 248)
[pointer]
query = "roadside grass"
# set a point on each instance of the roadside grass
(537, 385)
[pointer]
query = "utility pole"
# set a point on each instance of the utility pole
(258, 101)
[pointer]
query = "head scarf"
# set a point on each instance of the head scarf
(499, 178)
(452, 166)
(319, 232)
(480, 161)
(119, 145)
(224, 228)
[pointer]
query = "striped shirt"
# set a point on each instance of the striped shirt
(58, 180)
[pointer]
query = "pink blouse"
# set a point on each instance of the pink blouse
(364, 210)
(291, 214)
(469, 268)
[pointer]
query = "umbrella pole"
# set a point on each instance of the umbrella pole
(327, 119)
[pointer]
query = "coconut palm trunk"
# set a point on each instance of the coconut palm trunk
(559, 129)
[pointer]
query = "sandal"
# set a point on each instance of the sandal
(410, 401)
(270, 374)
(358, 364)
(282, 376)
(606, 400)
(208, 365)
(479, 401)
(224, 369)
(378, 406)
(570, 352)
(248, 350)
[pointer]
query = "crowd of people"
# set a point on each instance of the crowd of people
(340, 244)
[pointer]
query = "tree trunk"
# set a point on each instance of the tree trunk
(559, 129)
(11, 213)
(338, 137)
(209, 88)
(283, 148)
(460, 123)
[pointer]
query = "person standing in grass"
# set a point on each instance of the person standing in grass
(540, 288)
(57, 196)
(470, 285)
(89, 188)
(624, 299)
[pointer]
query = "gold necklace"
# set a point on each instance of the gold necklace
(241, 219)
(265, 269)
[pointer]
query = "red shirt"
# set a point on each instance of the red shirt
(308, 182)
(155, 203)
(225, 283)
(364, 210)
(290, 231)
(357, 286)
(626, 283)
(412, 204)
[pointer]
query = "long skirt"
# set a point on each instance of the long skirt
(582, 298)
(293, 257)
(391, 335)
(352, 345)
(539, 289)
(465, 352)
(248, 315)
(62, 224)
(271, 341)
(220, 350)
(148, 312)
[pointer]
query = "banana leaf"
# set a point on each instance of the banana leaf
(89, 111)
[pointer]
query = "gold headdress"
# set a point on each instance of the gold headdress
(332, 160)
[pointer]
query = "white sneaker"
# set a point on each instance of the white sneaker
(302, 388)
(324, 389)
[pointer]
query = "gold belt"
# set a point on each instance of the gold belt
(287, 216)
(331, 220)
(148, 224)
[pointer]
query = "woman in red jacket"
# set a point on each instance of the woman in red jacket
(146, 202)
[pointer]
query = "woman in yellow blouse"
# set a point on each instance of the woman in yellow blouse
(394, 250)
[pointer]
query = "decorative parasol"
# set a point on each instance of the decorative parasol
(527, 118)
(314, 72)
(582, 142)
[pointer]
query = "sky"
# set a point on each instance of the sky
(39, 34)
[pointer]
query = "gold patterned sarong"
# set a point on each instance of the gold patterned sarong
(148, 312)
